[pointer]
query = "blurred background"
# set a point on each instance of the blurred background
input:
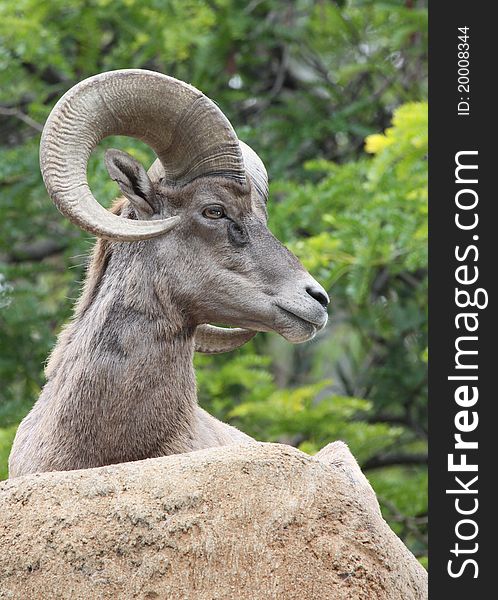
(332, 96)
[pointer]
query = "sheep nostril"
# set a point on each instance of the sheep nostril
(319, 295)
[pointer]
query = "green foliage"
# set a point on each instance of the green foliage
(313, 86)
(402, 494)
(6, 438)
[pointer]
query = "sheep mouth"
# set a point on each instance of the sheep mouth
(317, 321)
(295, 328)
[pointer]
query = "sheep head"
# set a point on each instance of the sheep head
(201, 207)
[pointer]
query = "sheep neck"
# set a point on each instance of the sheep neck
(123, 378)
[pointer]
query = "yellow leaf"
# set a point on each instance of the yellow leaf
(375, 143)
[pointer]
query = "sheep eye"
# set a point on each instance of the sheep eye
(213, 212)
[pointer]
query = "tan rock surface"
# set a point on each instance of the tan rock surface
(263, 521)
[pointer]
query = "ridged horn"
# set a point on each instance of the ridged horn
(188, 132)
(254, 169)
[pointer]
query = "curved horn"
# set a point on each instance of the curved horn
(254, 168)
(210, 339)
(187, 131)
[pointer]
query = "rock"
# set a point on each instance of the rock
(251, 522)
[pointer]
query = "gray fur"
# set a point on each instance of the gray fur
(120, 381)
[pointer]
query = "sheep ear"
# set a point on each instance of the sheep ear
(133, 181)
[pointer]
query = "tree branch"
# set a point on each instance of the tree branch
(36, 251)
(15, 112)
(378, 462)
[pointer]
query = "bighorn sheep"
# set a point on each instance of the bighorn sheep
(187, 246)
